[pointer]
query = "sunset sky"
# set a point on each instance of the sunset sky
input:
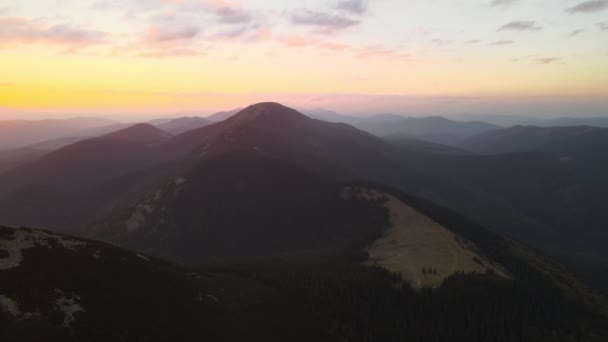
(414, 57)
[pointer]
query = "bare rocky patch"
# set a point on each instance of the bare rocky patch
(9, 305)
(21, 239)
(69, 306)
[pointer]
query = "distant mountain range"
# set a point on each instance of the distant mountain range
(558, 141)
(433, 128)
(21, 133)
(560, 122)
(529, 195)
(291, 228)
(582, 149)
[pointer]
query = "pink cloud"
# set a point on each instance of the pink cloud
(160, 34)
(17, 30)
(323, 22)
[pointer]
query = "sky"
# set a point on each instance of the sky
(415, 57)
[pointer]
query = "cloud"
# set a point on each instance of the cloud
(352, 6)
(232, 15)
(325, 22)
(520, 26)
(575, 33)
(238, 23)
(245, 33)
(588, 7)
(501, 42)
(538, 59)
(547, 60)
(5, 84)
(497, 3)
(160, 34)
(473, 41)
(603, 26)
(25, 31)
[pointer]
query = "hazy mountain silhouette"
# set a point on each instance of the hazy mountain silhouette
(408, 142)
(582, 149)
(66, 187)
(21, 133)
(13, 158)
(559, 141)
(433, 128)
(594, 122)
(181, 125)
(221, 116)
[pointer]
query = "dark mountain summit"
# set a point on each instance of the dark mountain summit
(269, 112)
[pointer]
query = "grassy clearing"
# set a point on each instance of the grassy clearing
(422, 251)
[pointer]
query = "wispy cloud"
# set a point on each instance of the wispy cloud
(5, 84)
(524, 25)
(352, 6)
(547, 60)
(539, 59)
(244, 33)
(501, 42)
(15, 30)
(589, 7)
(322, 21)
(575, 33)
(497, 3)
(603, 26)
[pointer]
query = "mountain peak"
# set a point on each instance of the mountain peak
(142, 132)
(269, 111)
